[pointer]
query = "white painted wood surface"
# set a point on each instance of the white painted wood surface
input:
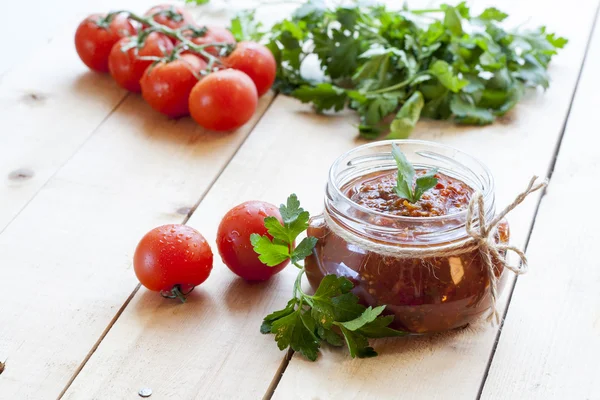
(550, 343)
(219, 353)
(100, 180)
(97, 190)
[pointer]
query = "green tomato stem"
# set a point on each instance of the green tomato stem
(172, 33)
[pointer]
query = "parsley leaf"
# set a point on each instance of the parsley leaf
(406, 175)
(407, 117)
(309, 320)
(245, 27)
(375, 60)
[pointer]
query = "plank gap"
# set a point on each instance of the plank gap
(539, 202)
(187, 217)
(564, 127)
(100, 339)
(218, 175)
(278, 375)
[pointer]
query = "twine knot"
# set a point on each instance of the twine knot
(491, 252)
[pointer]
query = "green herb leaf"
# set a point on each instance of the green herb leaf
(443, 71)
(379, 328)
(270, 252)
(358, 344)
(407, 117)
(425, 182)
(492, 14)
(274, 316)
(245, 27)
(452, 21)
(368, 316)
(406, 174)
(304, 249)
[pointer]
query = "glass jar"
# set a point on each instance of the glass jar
(383, 255)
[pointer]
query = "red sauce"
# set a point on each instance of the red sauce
(376, 192)
(425, 295)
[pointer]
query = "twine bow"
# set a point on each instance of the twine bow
(488, 248)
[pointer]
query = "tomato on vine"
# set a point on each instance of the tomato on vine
(169, 15)
(128, 60)
(256, 61)
(223, 100)
(214, 34)
(233, 240)
(97, 34)
(166, 86)
(172, 259)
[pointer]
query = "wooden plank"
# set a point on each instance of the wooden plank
(51, 104)
(454, 364)
(48, 110)
(550, 342)
(65, 260)
(215, 350)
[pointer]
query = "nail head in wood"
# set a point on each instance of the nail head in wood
(20, 174)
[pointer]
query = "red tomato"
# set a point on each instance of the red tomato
(256, 61)
(93, 42)
(233, 240)
(172, 258)
(127, 68)
(223, 100)
(169, 15)
(214, 34)
(167, 86)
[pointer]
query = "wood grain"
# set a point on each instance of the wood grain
(550, 342)
(454, 364)
(83, 180)
(210, 347)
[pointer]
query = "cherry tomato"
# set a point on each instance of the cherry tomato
(172, 259)
(93, 42)
(256, 61)
(233, 240)
(166, 86)
(127, 68)
(169, 15)
(223, 100)
(214, 34)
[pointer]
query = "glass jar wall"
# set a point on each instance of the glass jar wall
(423, 268)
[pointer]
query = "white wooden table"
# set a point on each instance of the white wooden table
(86, 169)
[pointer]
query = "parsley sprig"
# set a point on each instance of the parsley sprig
(406, 175)
(333, 313)
(399, 66)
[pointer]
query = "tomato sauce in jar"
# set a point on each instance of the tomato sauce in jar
(425, 294)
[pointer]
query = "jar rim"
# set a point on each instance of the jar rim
(487, 192)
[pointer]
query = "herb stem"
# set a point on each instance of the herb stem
(398, 85)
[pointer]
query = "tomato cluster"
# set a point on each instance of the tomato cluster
(173, 259)
(179, 67)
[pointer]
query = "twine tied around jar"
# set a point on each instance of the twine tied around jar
(480, 238)
(488, 248)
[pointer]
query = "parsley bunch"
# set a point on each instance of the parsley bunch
(332, 314)
(394, 67)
